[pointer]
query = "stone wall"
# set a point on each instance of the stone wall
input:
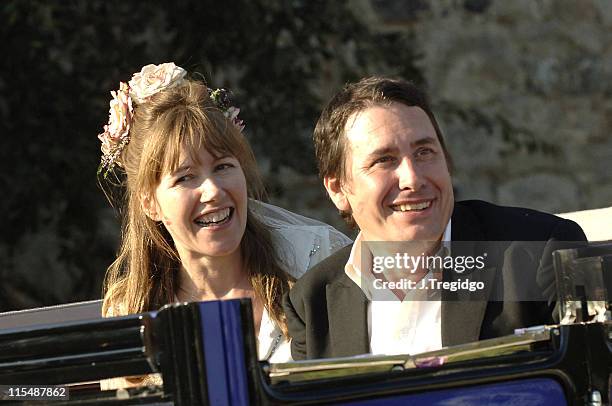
(522, 90)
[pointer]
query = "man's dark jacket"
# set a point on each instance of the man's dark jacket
(327, 311)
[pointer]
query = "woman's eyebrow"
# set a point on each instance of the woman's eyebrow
(184, 167)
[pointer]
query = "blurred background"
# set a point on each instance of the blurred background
(522, 90)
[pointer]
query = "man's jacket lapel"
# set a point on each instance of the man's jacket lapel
(463, 311)
(347, 310)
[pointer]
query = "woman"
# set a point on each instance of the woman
(192, 227)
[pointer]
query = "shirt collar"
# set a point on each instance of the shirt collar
(353, 270)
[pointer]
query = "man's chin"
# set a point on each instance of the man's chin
(405, 232)
(420, 236)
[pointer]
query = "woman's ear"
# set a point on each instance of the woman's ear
(150, 207)
(337, 193)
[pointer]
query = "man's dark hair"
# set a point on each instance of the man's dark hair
(329, 140)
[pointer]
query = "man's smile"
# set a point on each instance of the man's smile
(413, 206)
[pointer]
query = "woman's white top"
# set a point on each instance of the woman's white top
(301, 243)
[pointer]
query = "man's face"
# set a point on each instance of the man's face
(398, 186)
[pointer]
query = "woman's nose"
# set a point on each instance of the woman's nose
(209, 190)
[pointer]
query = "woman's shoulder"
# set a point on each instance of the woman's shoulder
(301, 242)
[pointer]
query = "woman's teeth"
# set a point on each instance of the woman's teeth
(412, 207)
(214, 218)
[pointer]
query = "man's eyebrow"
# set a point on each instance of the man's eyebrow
(424, 141)
(389, 150)
(383, 151)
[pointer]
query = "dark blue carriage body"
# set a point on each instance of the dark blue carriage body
(206, 355)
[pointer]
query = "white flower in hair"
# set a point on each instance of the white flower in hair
(155, 78)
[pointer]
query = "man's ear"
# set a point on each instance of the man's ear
(336, 192)
(150, 207)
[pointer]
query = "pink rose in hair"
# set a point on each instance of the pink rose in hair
(155, 78)
(119, 119)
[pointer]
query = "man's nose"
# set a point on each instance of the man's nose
(209, 190)
(409, 175)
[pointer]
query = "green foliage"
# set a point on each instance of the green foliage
(282, 59)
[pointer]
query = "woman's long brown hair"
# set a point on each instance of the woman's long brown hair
(144, 276)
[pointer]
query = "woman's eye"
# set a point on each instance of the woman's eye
(182, 179)
(223, 166)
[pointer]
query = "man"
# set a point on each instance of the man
(385, 166)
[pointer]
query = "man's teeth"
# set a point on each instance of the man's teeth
(411, 207)
(215, 217)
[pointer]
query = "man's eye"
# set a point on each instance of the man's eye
(383, 160)
(425, 152)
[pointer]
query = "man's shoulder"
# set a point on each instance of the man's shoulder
(513, 223)
(327, 271)
(490, 211)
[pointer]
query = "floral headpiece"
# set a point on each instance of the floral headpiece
(223, 99)
(150, 80)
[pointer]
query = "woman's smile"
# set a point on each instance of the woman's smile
(215, 218)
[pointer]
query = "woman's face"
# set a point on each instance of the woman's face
(203, 205)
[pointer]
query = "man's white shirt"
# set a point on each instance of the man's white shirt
(408, 326)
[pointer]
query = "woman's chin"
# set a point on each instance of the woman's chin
(221, 248)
